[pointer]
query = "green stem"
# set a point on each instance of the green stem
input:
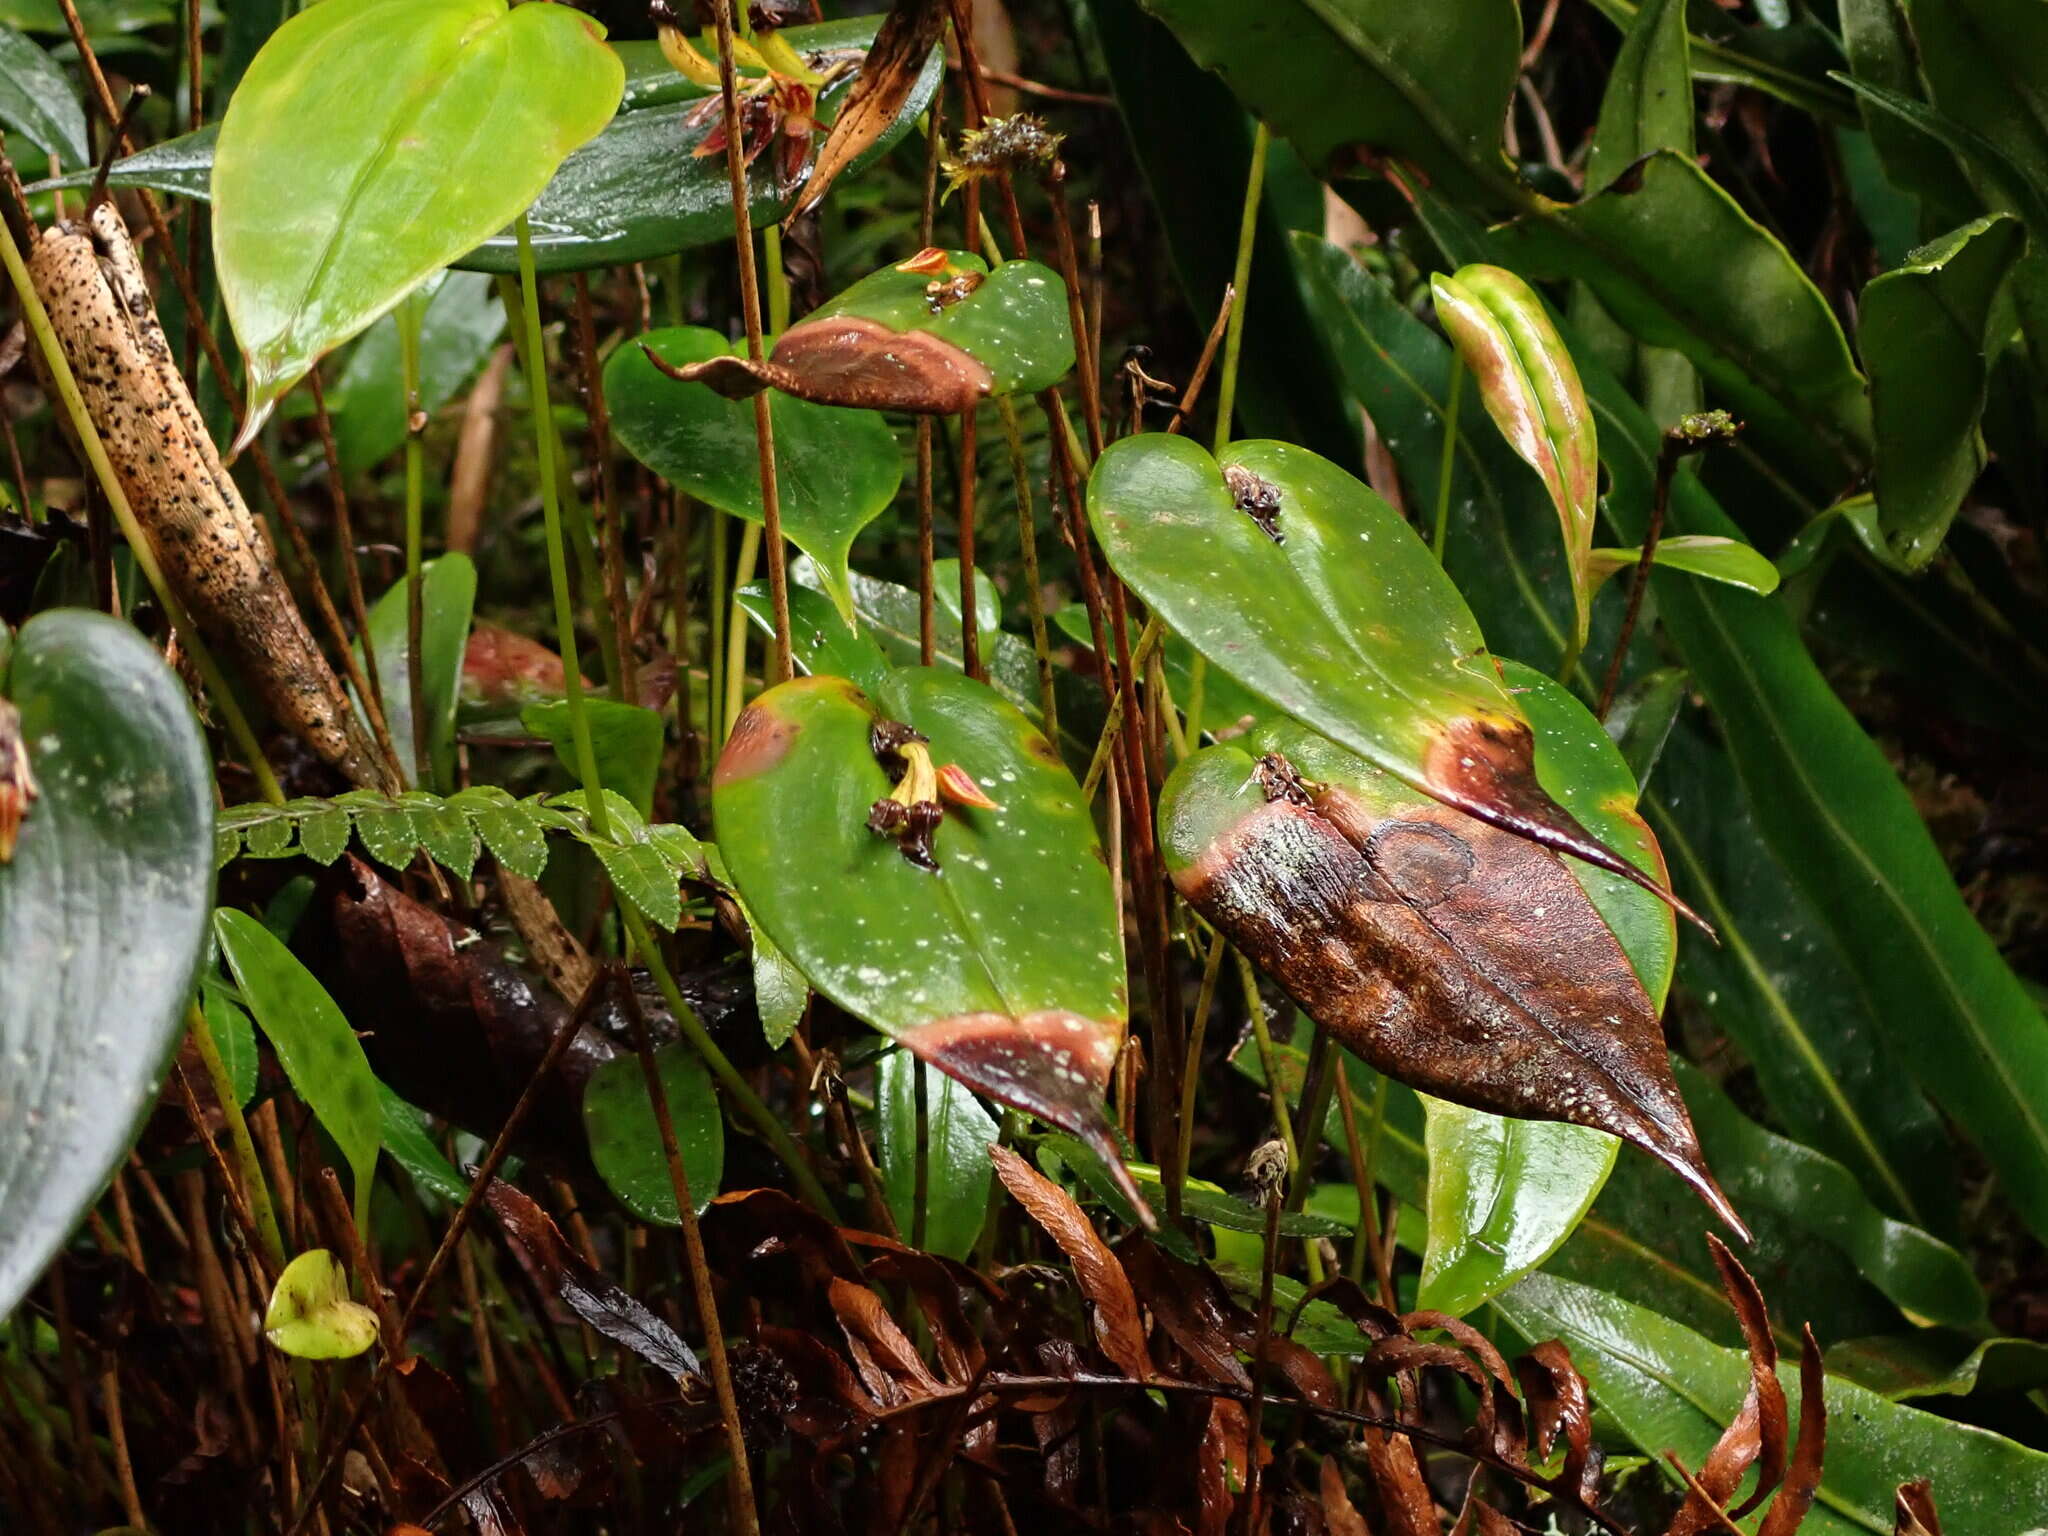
(409, 320)
(238, 1135)
(1450, 456)
(1241, 279)
(778, 283)
(1268, 1062)
(88, 434)
(558, 557)
(714, 667)
(1198, 687)
(737, 1088)
(736, 638)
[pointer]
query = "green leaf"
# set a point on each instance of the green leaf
(627, 740)
(508, 829)
(406, 1139)
(234, 1036)
(1922, 328)
(1940, 1363)
(1340, 617)
(37, 101)
(461, 323)
(1678, 263)
(323, 836)
(1698, 554)
(837, 469)
(1879, 42)
(625, 1139)
(388, 834)
(780, 991)
(1647, 105)
(1527, 383)
(1669, 1389)
(1832, 810)
(310, 1315)
(1641, 717)
(443, 831)
(372, 111)
(314, 1044)
(934, 334)
(633, 192)
(948, 961)
(956, 1141)
(102, 917)
(1724, 59)
(1426, 83)
(447, 600)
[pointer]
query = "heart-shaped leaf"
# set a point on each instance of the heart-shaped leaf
(1300, 583)
(1465, 961)
(936, 334)
(949, 959)
(102, 915)
(407, 132)
(836, 469)
(1531, 390)
(633, 192)
(310, 1314)
(1708, 555)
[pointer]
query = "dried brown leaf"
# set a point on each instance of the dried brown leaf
(1554, 1394)
(1340, 1515)
(1802, 1477)
(1405, 1500)
(1118, 1327)
(887, 1360)
(582, 1289)
(1221, 1465)
(1758, 1433)
(887, 76)
(1913, 1512)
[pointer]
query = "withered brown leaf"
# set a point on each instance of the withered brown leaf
(888, 74)
(1114, 1305)
(1913, 1512)
(1454, 956)
(1802, 1477)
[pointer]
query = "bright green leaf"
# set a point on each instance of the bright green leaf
(626, 739)
(310, 1315)
(462, 321)
(1698, 554)
(406, 1139)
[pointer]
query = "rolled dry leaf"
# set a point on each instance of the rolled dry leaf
(212, 550)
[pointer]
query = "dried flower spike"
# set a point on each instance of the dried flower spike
(1002, 144)
(1256, 498)
(17, 784)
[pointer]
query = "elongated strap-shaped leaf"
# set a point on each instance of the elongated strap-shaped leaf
(38, 102)
(936, 334)
(1531, 390)
(1700, 554)
(1922, 331)
(1338, 615)
(1455, 956)
(1648, 101)
(102, 916)
(1004, 965)
(837, 469)
(407, 132)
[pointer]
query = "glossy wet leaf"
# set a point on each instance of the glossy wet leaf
(936, 333)
(1425, 83)
(1345, 621)
(633, 192)
(836, 469)
(1698, 554)
(1465, 961)
(314, 1043)
(447, 599)
(461, 323)
(310, 1315)
(377, 114)
(1923, 330)
(1676, 261)
(411, 1146)
(780, 991)
(950, 962)
(1668, 1388)
(1524, 377)
(102, 917)
(1640, 719)
(1647, 104)
(626, 740)
(1878, 40)
(625, 1138)
(956, 1141)
(37, 101)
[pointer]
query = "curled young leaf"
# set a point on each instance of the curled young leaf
(310, 1314)
(1448, 953)
(935, 334)
(1531, 390)
(1349, 625)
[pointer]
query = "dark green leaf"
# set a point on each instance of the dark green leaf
(314, 1044)
(1647, 105)
(370, 111)
(406, 1139)
(1922, 330)
(956, 1141)
(625, 1139)
(626, 739)
(462, 321)
(234, 1036)
(1641, 717)
(37, 101)
(102, 918)
(1879, 42)
(836, 469)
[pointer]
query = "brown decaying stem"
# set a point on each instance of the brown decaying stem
(610, 529)
(1260, 1340)
(1174, 1174)
(1034, 594)
(345, 543)
(750, 313)
(1203, 363)
(927, 632)
(493, 1160)
(1084, 342)
(739, 1476)
(970, 616)
(1668, 455)
(188, 291)
(117, 1437)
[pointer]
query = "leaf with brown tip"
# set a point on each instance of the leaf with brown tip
(890, 72)
(1452, 955)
